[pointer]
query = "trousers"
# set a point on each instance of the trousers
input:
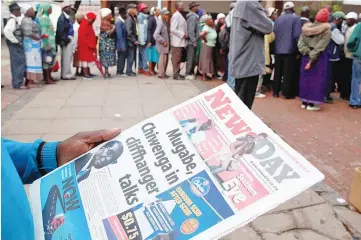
(130, 58)
(122, 56)
(355, 97)
(345, 84)
(176, 59)
(191, 59)
(162, 64)
(67, 59)
(245, 89)
(142, 57)
(230, 80)
(284, 75)
(17, 64)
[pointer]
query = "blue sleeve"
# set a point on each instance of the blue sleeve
(297, 28)
(24, 157)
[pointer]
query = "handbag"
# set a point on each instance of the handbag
(47, 57)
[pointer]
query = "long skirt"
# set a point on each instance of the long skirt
(152, 54)
(107, 50)
(34, 65)
(206, 60)
(313, 81)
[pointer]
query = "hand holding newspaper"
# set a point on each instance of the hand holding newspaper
(196, 171)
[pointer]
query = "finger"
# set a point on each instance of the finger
(102, 135)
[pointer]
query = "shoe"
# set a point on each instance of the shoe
(303, 106)
(178, 77)
(87, 77)
(70, 78)
(313, 108)
(163, 77)
(147, 73)
(355, 106)
(78, 74)
(277, 95)
(107, 75)
(131, 74)
(290, 97)
(190, 77)
(140, 71)
(328, 100)
(122, 75)
(259, 95)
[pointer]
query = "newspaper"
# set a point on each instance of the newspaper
(196, 171)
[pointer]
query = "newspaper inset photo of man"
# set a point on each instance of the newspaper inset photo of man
(109, 153)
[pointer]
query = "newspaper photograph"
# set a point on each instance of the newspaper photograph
(196, 171)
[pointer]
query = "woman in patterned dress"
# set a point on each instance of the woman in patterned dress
(31, 44)
(48, 37)
(107, 46)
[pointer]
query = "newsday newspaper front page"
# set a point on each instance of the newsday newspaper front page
(196, 171)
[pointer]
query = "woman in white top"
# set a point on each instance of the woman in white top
(76, 62)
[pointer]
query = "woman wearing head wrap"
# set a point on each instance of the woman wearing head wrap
(209, 36)
(31, 44)
(78, 18)
(202, 23)
(152, 53)
(312, 45)
(48, 38)
(107, 46)
(87, 43)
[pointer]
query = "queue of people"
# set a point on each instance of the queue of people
(304, 58)
(253, 49)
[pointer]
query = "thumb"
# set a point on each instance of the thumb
(101, 135)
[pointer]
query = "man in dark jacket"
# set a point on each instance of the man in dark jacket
(132, 37)
(122, 43)
(64, 38)
(193, 33)
(287, 31)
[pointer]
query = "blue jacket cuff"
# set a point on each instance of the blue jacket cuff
(48, 156)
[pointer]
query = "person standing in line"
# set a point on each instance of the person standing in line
(231, 81)
(142, 18)
(219, 64)
(161, 36)
(334, 48)
(354, 46)
(202, 23)
(351, 18)
(312, 45)
(152, 53)
(247, 61)
(224, 48)
(131, 27)
(87, 44)
(305, 15)
(65, 39)
(122, 43)
(48, 39)
(14, 40)
(206, 61)
(193, 32)
(178, 38)
(31, 44)
(287, 29)
(107, 44)
(78, 18)
(265, 80)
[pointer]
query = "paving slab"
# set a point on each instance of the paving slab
(37, 113)
(350, 219)
(26, 127)
(321, 218)
(87, 112)
(244, 233)
(274, 223)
